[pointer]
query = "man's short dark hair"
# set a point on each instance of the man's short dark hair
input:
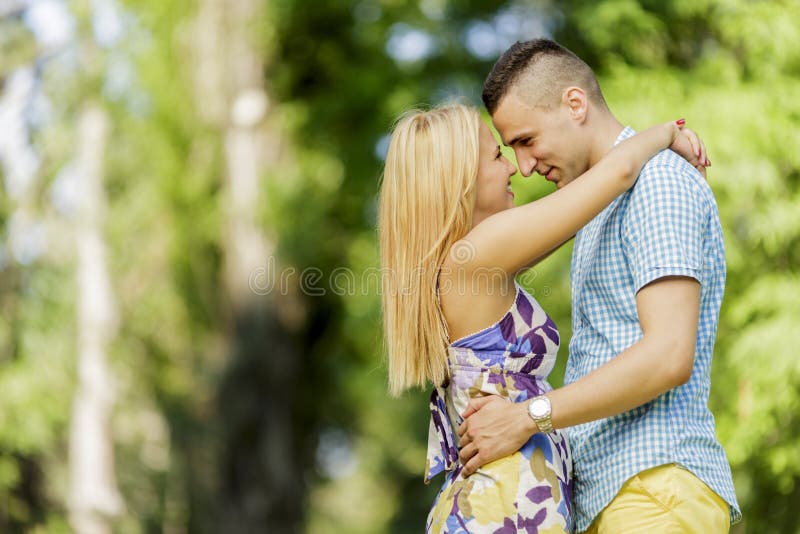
(546, 67)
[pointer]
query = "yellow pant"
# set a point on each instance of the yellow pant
(661, 500)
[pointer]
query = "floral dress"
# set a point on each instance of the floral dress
(530, 490)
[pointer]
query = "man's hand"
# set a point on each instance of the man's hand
(493, 427)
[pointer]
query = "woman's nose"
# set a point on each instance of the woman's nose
(512, 169)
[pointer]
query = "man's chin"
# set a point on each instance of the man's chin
(563, 182)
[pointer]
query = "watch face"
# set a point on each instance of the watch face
(540, 407)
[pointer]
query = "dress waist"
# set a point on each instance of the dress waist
(449, 401)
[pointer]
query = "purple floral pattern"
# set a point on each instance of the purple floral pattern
(530, 490)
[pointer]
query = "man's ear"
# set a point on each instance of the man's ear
(576, 101)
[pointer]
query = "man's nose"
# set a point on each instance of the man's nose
(526, 164)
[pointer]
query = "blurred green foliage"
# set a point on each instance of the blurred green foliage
(337, 78)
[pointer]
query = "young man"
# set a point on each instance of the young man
(647, 278)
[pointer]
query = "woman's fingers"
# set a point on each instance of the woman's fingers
(704, 159)
(698, 147)
(701, 151)
(698, 157)
(702, 170)
(695, 142)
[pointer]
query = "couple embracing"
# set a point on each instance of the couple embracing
(628, 445)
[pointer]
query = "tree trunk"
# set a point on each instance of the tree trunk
(262, 486)
(93, 496)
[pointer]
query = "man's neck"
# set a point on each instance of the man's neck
(605, 134)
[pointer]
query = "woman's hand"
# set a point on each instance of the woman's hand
(493, 427)
(689, 145)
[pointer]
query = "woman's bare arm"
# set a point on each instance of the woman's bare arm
(519, 237)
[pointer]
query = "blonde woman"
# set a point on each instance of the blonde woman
(451, 244)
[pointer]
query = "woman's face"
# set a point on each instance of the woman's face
(493, 187)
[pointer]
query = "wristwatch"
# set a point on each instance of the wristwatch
(539, 410)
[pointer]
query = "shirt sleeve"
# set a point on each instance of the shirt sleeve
(664, 226)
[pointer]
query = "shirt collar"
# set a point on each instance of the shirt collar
(624, 134)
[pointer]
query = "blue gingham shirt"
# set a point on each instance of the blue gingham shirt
(666, 225)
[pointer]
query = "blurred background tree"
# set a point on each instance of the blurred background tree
(243, 149)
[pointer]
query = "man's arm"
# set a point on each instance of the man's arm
(661, 360)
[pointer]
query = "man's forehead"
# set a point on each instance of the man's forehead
(513, 119)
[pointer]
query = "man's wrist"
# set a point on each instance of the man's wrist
(539, 410)
(528, 423)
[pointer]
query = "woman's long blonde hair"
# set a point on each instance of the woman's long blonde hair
(426, 203)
